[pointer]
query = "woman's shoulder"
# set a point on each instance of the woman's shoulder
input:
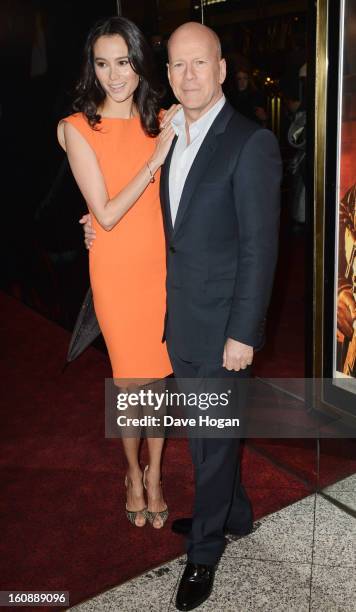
(79, 121)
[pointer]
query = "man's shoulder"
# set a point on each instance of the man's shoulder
(234, 129)
(240, 124)
(241, 130)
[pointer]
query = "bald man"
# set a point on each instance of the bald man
(220, 188)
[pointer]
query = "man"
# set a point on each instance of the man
(220, 189)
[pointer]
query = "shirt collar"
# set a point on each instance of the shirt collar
(196, 128)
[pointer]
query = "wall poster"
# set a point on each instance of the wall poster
(335, 206)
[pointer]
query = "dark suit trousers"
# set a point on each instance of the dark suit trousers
(220, 499)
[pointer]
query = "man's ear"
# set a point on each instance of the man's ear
(168, 74)
(222, 69)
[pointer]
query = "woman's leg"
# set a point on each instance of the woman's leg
(155, 443)
(155, 500)
(135, 496)
(131, 440)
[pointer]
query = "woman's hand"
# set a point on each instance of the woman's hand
(168, 115)
(163, 144)
(164, 140)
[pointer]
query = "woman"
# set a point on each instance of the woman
(115, 146)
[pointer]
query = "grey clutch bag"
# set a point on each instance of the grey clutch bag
(86, 328)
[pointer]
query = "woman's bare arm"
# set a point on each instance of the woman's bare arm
(90, 180)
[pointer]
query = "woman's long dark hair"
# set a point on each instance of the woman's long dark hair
(147, 96)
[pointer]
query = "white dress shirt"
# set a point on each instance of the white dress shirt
(184, 154)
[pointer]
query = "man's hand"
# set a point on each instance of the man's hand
(89, 232)
(237, 356)
(346, 313)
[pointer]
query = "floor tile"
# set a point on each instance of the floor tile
(286, 535)
(335, 531)
(150, 592)
(333, 589)
(346, 484)
(268, 571)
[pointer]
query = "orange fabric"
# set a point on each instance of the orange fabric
(128, 264)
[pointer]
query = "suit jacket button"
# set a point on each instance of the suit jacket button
(172, 249)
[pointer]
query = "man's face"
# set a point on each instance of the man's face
(195, 71)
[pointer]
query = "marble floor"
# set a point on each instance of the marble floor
(300, 559)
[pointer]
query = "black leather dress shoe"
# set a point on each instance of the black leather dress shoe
(195, 586)
(183, 526)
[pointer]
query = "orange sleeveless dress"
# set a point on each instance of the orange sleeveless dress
(128, 264)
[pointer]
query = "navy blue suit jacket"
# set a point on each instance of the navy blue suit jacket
(222, 251)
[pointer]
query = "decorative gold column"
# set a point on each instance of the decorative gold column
(319, 182)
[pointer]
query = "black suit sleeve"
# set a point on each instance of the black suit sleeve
(256, 178)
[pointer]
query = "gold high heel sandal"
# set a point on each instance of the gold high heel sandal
(132, 514)
(151, 516)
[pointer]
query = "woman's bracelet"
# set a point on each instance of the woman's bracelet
(152, 180)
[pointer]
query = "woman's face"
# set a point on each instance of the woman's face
(113, 69)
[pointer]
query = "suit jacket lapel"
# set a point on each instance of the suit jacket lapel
(165, 199)
(195, 173)
(201, 162)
